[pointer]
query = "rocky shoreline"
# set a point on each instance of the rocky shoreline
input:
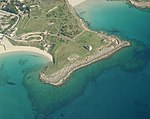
(140, 4)
(60, 77)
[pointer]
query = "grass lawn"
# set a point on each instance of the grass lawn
(60, 22)
(63, 50)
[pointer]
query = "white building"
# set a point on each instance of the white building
(88, 47)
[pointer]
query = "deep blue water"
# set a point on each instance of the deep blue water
(119, 87)
(115, 88)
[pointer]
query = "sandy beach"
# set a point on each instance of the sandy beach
(60, 76)
(74, 3)
(7, 47)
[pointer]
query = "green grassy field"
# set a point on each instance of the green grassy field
(53, 16)
(65, 49)
(67, 46)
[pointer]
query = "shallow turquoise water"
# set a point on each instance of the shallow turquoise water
(14, 101)
(118, 18)
(115, 88)
(118, 87)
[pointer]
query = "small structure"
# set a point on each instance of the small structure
(88, 47)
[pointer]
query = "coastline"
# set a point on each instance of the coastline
(9, 48)
(140, 4)
(60, 77)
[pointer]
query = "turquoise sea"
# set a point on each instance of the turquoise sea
(115, 88)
